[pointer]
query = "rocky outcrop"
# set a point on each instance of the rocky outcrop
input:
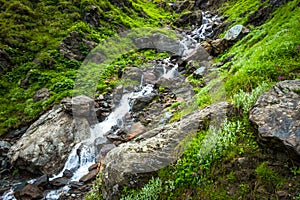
(74, 47)
(131, 164)
(41, 95)
(47, 142)
(5, 62)
(260, 16)
(92, 16)
(188, 19)
(277, 117)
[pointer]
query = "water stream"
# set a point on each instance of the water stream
(83, 155)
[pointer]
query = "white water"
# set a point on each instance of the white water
(83, 155)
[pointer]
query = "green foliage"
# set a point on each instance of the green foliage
(30, 33)
(150, 191)
(268, 53)
(266, 175)
(245, 101)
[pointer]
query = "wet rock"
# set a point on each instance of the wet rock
(90, 176)
(42, 181)
(68, 173)
(236, 32)
(4, 147)
(139, 102)
(5, 62)
(94, 166)
(71, 47)
(189, 19)
(59, 182)
(276, 114)
(92, 16)
(76, 184)
(41, 95)
(29, 192)
(132, 163)
(45, 146)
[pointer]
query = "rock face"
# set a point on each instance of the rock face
(74, 47)
(131, 164)
(277, 116)
(41, 95)
(188, 19)
(47, 142)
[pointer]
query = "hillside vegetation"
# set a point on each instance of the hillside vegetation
(31, 32)
(236, 167)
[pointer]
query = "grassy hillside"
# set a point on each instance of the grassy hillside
(30, 33)
(237, 167)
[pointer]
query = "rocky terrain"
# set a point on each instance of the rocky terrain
(206, 105)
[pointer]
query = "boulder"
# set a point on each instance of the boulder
(29, 192)
(236, 32)
(72, 47)
(141, 101)
(276, 115)
(135, 130)
(189, 19)
(92, 16)
(41, 95)
(91, 175)
(45, 146)
(131, 164)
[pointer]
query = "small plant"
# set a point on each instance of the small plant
(150, 191)
(245, 101)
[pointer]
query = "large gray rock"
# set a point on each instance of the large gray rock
(131, 164)
(46, 144)
(277, 116)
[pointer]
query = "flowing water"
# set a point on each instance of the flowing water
(83, 155)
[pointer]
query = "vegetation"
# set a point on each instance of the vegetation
(30, 33)
(228, 163)
(224, 163)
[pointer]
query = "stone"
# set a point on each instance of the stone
(185, 5)
(76, 184)
(71, 47)
(276, 115)
(106, 148)
(89, 176)
(68, 173)
(236, 32)
(131, 164)
(199, 73)
(59, 182)
(41, 95)
(189, 19)
(92, 16)
(29, 192)
(84, 107)
(45, 146)
(135, 130)
(42, 181)
(141, 101)
(4, 146)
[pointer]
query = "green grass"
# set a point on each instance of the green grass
(30, 33)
